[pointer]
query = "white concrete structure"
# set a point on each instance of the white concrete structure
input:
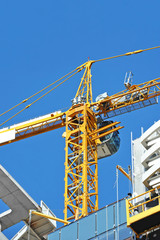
(138, 168)
(151, 158)
(39, 228)
(2, 236)
(19, 204)
(146, 160)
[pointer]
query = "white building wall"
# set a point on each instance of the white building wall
(151, 159)
(138, 169)
(146, 160)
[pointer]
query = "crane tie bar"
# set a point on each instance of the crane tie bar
(25, 100)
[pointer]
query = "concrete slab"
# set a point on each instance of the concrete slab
(14, 196)
(39, 228)
(19, 203)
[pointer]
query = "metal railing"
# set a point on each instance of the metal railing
(143, 202)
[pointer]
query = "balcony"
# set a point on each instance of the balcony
(143, 211)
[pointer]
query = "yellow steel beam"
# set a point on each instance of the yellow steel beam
(142, 194)
(85, 87)
(104, 128)
(49, 217)
(136, 94)
(108, 132)
(85, 163)
(127, 54)
(33, 123)
(34, 127)
(122, 171)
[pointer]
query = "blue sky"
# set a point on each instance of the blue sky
(41, 41)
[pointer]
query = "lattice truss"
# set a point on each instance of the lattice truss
(81, 187)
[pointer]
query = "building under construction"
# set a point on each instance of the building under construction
(90, 134)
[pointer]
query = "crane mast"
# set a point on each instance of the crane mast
(81, 174)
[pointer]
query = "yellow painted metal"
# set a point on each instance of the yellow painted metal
(127, 54)
(81, 170)
(143, 214)
(49, 217)
(122, 171)
(136, 94)
(34, 127)
(111, 103)
(137, 203)
(104, 128)
(107, 132)
(85, 87)
(143, 194)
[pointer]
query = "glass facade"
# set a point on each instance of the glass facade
(108, 223)
(120, 233)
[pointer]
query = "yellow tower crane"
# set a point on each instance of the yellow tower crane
(85, 135)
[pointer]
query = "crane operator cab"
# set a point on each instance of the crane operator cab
(109, 143)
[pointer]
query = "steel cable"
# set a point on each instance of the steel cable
(38, 99)
(25, 100)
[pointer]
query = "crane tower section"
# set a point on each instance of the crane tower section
(81, 183)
